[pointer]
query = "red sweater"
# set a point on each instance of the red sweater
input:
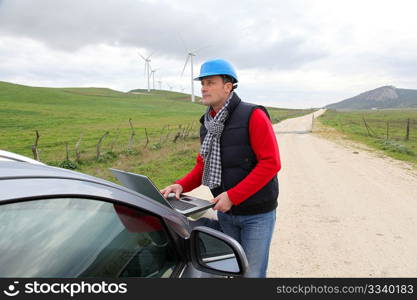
(265, 147)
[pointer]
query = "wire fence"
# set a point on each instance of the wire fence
(400, 130)
(112, 142)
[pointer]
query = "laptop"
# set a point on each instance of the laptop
(187, 205)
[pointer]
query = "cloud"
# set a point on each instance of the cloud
(162, 27)
(296, 53)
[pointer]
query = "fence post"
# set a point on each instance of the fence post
(162, 132)
(366, 125)
(132, 136)
(99, 144)
(77, 152)
(176, 137)
(147, 138)
(166, 137)
(35, 149)
(67, 151)
(115, 139)
(407, 132)
(178, 134)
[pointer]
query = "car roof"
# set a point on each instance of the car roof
(14, 169)
(9, 156)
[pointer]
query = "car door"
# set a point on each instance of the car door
(83, 237)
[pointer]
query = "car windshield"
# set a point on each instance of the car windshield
(72, 237)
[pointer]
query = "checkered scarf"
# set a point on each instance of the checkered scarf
(210, 148)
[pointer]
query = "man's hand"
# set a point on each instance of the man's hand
(223, 202)
(173, 188)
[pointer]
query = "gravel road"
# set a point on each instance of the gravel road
(343, 211)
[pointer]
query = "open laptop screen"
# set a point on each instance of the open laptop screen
(140, 184)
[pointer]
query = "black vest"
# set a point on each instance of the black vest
(238, 159)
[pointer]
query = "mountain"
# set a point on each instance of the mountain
(382, 97)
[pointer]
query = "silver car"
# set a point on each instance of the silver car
(60, 223)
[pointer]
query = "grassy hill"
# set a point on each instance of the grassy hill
(62, 115)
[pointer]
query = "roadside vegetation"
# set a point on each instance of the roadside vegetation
(392, 131)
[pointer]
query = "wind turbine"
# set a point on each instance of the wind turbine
(170, 86)
(153, 76)
(147, 68)
(190, 56)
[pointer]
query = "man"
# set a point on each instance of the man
(238, 161)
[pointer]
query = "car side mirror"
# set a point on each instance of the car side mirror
(217, 253)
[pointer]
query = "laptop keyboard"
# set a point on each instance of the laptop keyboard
(180, 204)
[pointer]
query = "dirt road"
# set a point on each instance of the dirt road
(343, 211)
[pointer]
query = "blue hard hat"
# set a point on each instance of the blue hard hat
(217, 67)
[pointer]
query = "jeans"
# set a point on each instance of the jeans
(254, 233)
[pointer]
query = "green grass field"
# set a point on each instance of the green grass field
(387, 129)
(62, 115)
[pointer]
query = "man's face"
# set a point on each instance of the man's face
(214, 90)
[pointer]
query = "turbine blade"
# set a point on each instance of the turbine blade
(201, 48)
(151, 54)
(142, 56)
(185, 65)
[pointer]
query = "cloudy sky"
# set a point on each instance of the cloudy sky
(295, 54)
